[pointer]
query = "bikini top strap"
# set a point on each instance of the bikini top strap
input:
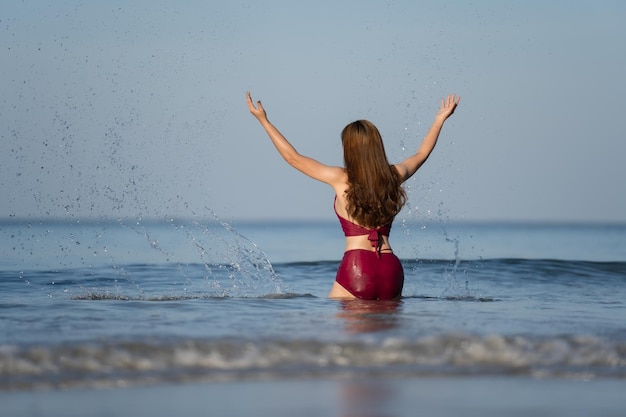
(373, 235)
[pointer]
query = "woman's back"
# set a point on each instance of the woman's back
(354, 240)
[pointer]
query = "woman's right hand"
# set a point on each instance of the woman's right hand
(257, 111)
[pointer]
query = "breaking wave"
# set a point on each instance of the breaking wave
(128, 363)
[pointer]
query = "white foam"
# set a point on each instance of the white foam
(444, 354)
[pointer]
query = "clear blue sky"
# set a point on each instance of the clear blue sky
(136, 108)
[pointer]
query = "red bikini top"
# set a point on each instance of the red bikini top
(353, 229)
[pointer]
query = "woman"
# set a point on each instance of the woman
(368, 195)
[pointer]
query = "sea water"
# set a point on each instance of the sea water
(119, 303)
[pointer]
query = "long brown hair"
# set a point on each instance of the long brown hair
(375, 194)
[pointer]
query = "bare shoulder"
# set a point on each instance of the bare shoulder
(336, 176)
(403, 171)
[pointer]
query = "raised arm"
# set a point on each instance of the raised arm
(309, 166)
(409, 166)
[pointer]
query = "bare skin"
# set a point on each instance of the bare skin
(337, 177)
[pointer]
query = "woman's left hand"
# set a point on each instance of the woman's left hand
(448, 105)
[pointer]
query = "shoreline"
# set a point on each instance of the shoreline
(439, 396)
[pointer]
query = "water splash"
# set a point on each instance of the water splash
(112, 259)
(455, 283)
(221, 250)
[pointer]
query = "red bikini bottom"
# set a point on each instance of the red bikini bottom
(370, 276)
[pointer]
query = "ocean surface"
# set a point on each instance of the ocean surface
(87, 307)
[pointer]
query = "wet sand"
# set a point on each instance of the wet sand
(429, 396)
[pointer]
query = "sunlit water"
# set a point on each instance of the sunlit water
(105, 303)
